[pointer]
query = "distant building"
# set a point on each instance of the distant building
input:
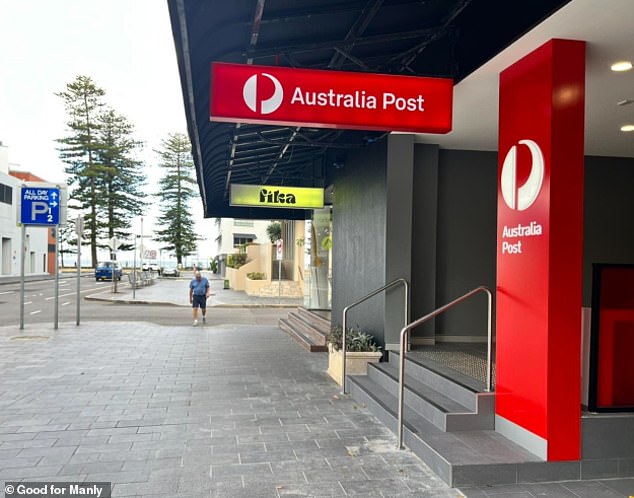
(235, 232)
(39, 258)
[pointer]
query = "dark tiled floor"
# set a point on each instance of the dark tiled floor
(224, 411)
(607, 488)
(221, 411)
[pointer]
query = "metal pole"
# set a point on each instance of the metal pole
(401, 385)
(365, 298)
(114, 273)
(343, 352)
(279, 281)
(78, 277)
(22, 250)
(56, 312)
(134, 272)
(142, 246)
(489, 340)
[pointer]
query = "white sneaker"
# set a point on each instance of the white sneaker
(195, 324)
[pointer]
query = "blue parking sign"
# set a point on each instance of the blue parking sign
(40, 206)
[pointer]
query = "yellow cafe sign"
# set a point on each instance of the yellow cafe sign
(277, 197)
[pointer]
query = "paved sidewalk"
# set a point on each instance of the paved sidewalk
(223, 411)
(175, 291)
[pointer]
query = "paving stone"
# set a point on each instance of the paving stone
(229, 411)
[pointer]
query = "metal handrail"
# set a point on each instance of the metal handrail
(416, 323)
(363, 299)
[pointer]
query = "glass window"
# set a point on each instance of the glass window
(238, 240)
(6, 194)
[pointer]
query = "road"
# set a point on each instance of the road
(39, 299)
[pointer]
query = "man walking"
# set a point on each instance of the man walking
(199, 291)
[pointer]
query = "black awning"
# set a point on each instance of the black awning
(447, 38)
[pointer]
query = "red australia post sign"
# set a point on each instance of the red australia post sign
(330, 99)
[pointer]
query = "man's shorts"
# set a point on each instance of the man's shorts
(199, 300)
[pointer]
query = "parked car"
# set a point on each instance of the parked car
(105, 270)
(151, 267)
(171, 271)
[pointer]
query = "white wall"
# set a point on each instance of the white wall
(231, 226)
(4, 159)
(36, 237)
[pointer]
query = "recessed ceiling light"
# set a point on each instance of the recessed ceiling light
(621, 66)
(628, 127)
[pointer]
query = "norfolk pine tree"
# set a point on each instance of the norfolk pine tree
(176, 192)
(83, 102)
(122, 180)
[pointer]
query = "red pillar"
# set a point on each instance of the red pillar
(539, 259)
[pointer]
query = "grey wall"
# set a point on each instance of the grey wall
(608, 215)
(453, 231)
(359, 237)
(424, 228)
(398, 239)
(466, 242)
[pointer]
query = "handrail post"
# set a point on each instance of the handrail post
(365, 298)
(343, 352)
(403, 345)
(489, 339)
(401, 384)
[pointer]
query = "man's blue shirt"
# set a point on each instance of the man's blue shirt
(199, 286)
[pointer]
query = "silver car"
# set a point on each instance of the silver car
(171, 271)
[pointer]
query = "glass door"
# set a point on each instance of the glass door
(318, 260)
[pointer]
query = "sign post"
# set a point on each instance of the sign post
(279, 254)
(56, 310)
(114, 245)
(23, 250)
(41, 204)
(79, 230)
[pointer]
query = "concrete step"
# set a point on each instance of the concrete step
(464, 390)
(314, 318)
(464, 458)
(436, 406)
(307, 340)
(316, 335)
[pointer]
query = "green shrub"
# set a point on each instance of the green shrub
(356, 339)
(274, 231)
(236, 260)
(256, 275)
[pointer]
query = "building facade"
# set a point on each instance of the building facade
(38, 239)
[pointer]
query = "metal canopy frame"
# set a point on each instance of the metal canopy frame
(446, 38)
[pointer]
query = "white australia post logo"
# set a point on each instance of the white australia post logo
(252, 99)
(522, 197)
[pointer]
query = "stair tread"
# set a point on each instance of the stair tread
(454, 376)
(477, 447)
(294, 317)
(318, 320)
(307, 331)
(304, 340)
(433, 396)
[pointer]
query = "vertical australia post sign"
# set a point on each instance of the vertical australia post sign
(330, 99)
(539, 250)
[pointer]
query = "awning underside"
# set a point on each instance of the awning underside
(448, 38)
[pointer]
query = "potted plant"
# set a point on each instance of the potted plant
(361, 349)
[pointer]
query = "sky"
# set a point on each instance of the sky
(125, 46)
